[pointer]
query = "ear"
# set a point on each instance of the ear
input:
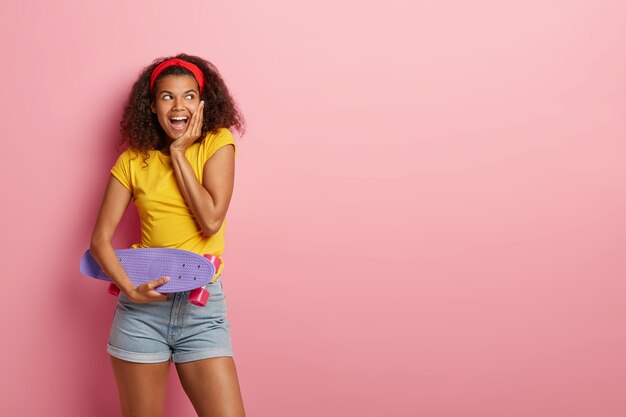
(153, 107)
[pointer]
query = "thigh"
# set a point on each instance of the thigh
(141, 387)
(212, 386)
(139, 332)
(205, 331)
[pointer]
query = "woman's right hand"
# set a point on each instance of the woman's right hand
(146, 293)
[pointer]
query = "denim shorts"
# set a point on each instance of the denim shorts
(174, 329)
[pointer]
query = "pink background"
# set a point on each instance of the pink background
(428, 216)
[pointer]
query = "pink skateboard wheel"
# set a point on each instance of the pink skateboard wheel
(114, 290)
(199, 297)
(215, 260)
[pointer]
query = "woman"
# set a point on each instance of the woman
(179, 170)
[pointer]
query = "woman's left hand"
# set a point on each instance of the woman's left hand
(192, 133)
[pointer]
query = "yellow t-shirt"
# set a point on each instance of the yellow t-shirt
(166, 219)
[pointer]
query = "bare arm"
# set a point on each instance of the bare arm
(114, 204)
(208, 201)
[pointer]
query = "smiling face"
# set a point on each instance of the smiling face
(176, 100)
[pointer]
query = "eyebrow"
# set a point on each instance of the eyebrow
(169, 92)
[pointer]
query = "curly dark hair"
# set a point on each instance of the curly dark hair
(140, 129)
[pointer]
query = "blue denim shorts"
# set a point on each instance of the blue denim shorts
(174, 329)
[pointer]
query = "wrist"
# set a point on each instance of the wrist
(177, 149)
(128, 291)
(177, 154)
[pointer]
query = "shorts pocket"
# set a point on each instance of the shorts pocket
(216, 291)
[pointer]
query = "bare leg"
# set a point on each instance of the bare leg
(141, 387)
(212, 386)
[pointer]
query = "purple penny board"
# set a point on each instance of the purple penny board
(187, 270)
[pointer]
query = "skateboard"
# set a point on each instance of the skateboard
(187, 270)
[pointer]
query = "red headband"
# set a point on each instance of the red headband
(197, 73)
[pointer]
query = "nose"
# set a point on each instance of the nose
(179, 103)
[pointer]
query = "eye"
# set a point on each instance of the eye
(166, 97)
(189, 96)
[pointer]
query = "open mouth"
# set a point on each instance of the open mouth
(179, 122)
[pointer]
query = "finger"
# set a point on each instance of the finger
(156, 283)
(199, 116)
(156, 296)
(194, 119)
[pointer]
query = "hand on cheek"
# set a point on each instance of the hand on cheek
(192, 133)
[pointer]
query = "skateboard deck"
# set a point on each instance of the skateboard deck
(186, 270)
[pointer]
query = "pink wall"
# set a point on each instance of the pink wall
(439, 186)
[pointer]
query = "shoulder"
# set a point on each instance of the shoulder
(129, 157)
(123, 168)
(215, 140)
(220, 135)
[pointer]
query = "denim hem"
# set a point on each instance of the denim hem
(138, 357)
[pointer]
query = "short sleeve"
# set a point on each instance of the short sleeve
(213, 142)
(121, 170)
